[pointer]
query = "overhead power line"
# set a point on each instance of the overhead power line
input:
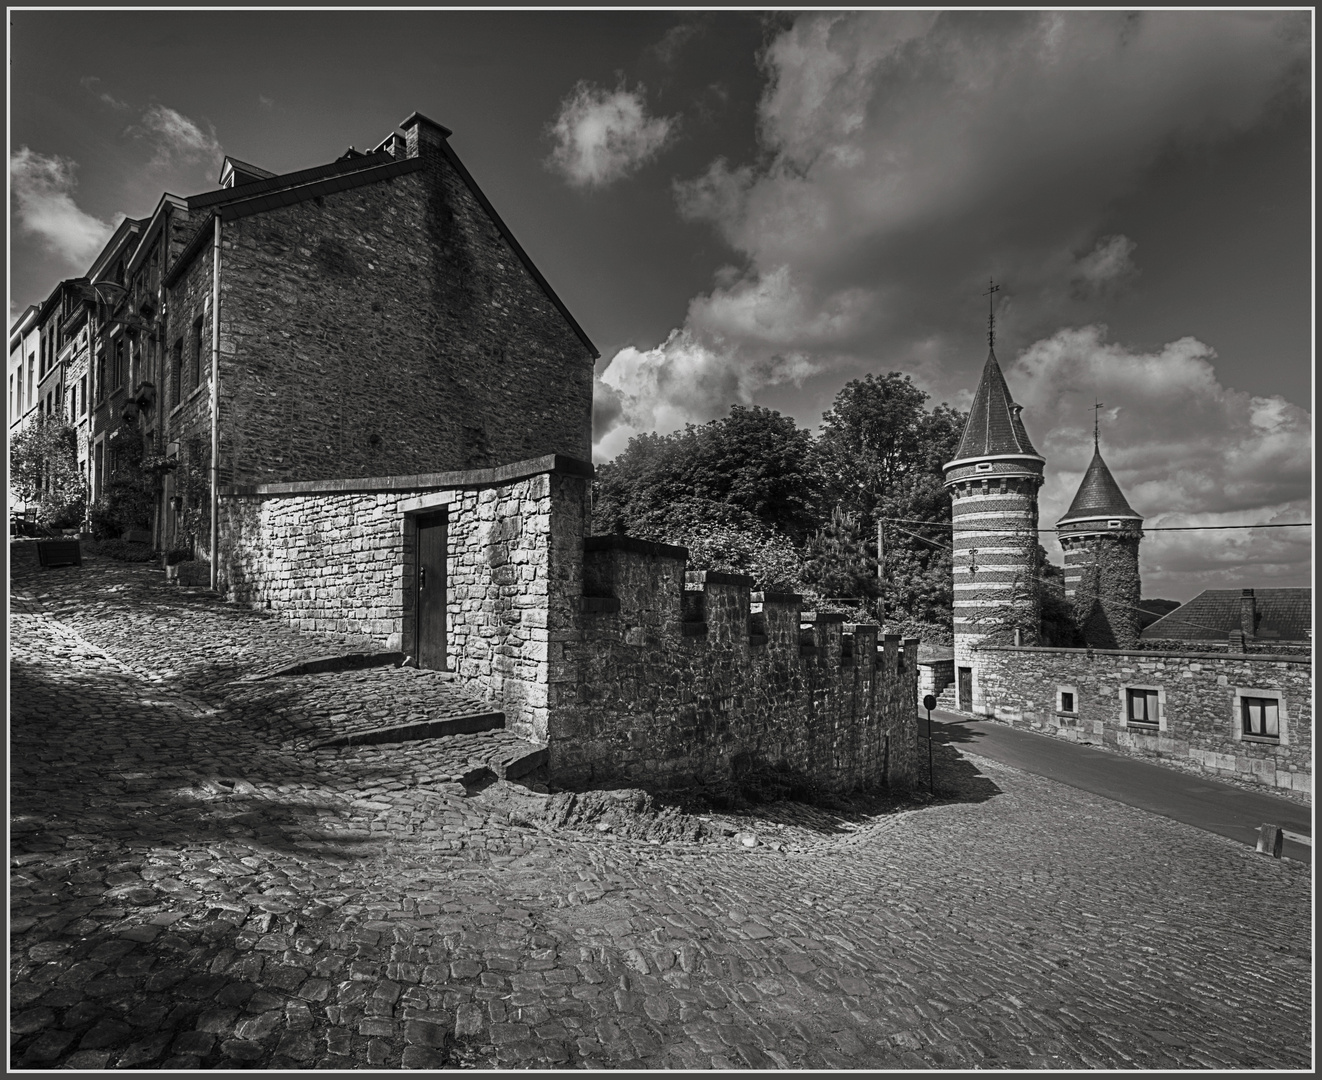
(1146, 528)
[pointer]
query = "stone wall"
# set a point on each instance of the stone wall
(676, 677)
(1198, 717)
(340, 555)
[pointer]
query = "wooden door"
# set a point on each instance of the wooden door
(430, 584)
(966, 689)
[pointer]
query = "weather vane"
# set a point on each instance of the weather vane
(1096, 415)
(991, 313)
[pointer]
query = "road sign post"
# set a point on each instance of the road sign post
(929, 703)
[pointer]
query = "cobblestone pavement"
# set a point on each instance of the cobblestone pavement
(191, 889)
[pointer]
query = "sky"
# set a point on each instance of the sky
(755, 208)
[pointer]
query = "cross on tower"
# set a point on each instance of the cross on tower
(991, 313)
(1096, 415)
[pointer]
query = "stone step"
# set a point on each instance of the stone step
(423, 729)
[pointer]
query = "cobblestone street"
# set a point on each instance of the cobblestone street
(194, 883)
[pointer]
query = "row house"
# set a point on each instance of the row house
(390, 259)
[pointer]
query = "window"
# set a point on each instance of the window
(983, 466)
(82, 392)
(1066, 701)
(1143, 708)
(100, 373)
(1261, 717)
(197, 352)
(73, 402)
(120, 370)
(177, 373)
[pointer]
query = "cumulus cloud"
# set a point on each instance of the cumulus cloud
(907, 155)
(43, 190)
(603, 135)
(1185, 449)
(176, 140)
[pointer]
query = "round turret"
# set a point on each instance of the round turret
(1100, 534)
(993, 482)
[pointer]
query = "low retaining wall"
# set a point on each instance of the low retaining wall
(1198, 695)
(339, 555)
(679, 678)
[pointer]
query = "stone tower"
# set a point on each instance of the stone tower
(993, 482)
(1100, 535)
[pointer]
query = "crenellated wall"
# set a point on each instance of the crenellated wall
(681, 677)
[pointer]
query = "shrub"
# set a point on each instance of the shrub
(121, 550)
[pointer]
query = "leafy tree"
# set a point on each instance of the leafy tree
(753, 466)
(43, 461)
(880, 452)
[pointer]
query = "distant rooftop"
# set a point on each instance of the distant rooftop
(1280, 615)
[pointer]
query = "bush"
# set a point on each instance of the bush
(121, 550)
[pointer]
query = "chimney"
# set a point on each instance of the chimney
(422, 135)
(1247, 613)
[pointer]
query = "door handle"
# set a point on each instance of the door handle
(422, 577)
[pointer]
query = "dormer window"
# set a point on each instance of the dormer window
(1113, 524)
(983, 466)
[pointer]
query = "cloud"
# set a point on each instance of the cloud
(265, 102)
(1185, 449)
(1108, 267)
(905, 156)
(43, 192)
(90, 83)
(674, 40)
(604, 135)
(176, 139)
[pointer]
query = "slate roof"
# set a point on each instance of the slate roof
(993, 426)
(1282, 615)
(1098, 495)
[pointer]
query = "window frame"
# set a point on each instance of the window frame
(1245, 694)
(1061, 691)
(1145, 726)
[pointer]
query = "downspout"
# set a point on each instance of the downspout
(215, 404)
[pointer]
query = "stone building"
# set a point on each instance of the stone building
(1100, 534)
(993, 482)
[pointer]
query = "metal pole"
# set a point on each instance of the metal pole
(931, 784)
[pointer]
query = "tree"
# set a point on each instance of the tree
(753, 466)
(43, 461)
(837, 563)
(880, 452)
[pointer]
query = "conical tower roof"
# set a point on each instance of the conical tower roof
(993, 426)
(1099, 495)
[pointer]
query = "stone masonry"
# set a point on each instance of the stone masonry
(682, 677)
(1198, 693)
(600, 647)
(339, 556)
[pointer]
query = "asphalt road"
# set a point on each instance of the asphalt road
(1195, 800)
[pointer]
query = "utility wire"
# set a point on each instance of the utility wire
(1087, 593)
(1146, 528)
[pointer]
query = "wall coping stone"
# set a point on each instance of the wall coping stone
(715, 577)
(619, 542)
(776, 598)
(1152, 654)
(518, 470)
